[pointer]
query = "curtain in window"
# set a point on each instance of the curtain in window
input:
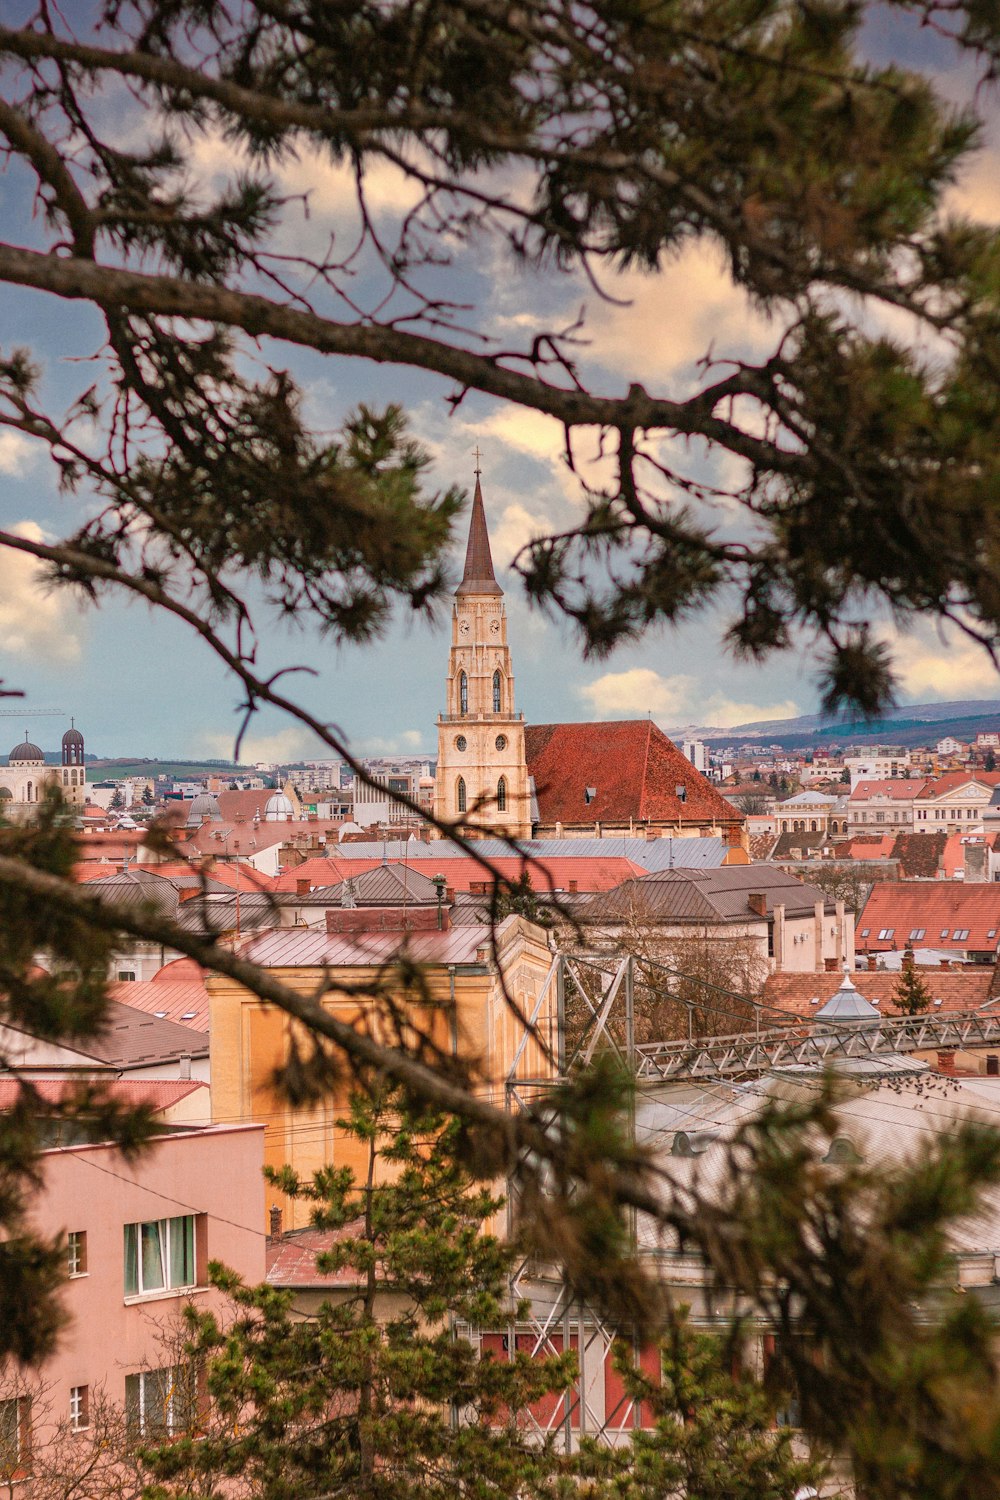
(182, 1252)
(131, 1260)
(153, 1255)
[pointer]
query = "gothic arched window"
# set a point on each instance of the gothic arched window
(463, 693)
(502, 794)
(496, 692)
(460, 794)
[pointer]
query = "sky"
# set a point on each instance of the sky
(139, 685)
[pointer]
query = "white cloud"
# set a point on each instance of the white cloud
(293, 743)
(516, 527)
(36, 620)
(933, 665)
(673, 700)
(638, 690)
(407, 742)
(16, 452)
(674, 318)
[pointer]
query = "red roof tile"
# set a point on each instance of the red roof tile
(184, 1001)
(935, 907)
(291, 1258)
(633, 768)
(957, 991)
(892, 788)
(952, 780)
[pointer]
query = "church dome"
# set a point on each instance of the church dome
(203, 806)
(277, 808)
(25, 754)
(72, 737)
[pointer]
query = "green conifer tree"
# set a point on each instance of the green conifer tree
(377, 1395)
(910, 993)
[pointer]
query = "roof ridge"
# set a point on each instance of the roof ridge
(645, 769)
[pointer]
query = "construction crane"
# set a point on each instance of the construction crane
(32, 713)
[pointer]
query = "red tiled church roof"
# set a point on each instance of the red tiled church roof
(634, 769)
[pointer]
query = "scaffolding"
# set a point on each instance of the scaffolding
(595, 998)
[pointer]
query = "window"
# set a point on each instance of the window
(502, 794)
(917, 933)
(159, 1255)
(15, 1435)
(496, 692)
(76, 1252)
(126, 974)
(944, 932)
(960, 932)
(160, 1401)
(681, 792)
(865, 931)
(79, 1407)
(463, 693)
(885, 933)
(460, 794)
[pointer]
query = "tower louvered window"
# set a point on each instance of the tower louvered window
(463, 694)
(460, 795)
(496, 692)
(502, 794)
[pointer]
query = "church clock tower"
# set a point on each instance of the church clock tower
(481, 769)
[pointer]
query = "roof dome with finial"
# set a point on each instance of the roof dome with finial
(26, 754)
(478, 576)
(72, 737)
(847, 1004)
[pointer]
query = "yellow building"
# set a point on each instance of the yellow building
(482, 773)
(470, 1015)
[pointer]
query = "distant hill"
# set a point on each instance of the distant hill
(910, 724)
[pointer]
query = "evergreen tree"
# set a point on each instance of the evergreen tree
(377, 1395)
(990, 764)
(910, 993)
(117, 799)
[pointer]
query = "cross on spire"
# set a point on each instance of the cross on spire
(478, 456)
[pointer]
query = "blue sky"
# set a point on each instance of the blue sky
(139, 685)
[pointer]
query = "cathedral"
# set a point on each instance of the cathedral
(625, 777)
(25, 777)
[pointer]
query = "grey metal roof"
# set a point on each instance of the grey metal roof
(384, 885)
(307, 948)
(133, 1039)
(137, 888)
(847, 1004)
(652, 854)
(720, 895)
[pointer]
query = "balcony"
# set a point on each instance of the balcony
(480, 718)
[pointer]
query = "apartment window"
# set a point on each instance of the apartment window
(885, 933)
(917, 933)
(159, 1255)
(126, 974)
(15, 1435)
(880, 817)
(159, 1402)
(960, 933)
(79, 1407)
(76, 1252)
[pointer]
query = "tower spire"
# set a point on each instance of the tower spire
(478, 577)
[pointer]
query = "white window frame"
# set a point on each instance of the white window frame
(79, 1408)
(170, 1246)
(157, 1402)
(76, 1252)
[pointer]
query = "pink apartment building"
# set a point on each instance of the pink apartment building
(139, 1238)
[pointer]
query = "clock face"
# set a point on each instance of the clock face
(495, 627)
(463, 627)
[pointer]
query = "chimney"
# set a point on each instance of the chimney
(574, 886)
(757, 902)
(449, 895)
(872, 963)
(302, 887)
(184, 1065)
(946, 1062)
(830, 965)
(275, 1222)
